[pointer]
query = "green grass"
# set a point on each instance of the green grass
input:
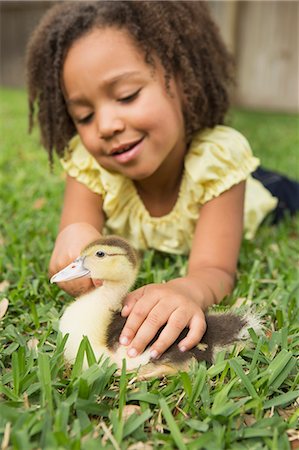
(246, 400)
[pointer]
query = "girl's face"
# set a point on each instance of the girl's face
(122, 110)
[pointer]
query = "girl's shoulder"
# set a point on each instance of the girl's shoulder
(219, 158)
(222, 139)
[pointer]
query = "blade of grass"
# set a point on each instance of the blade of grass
(199, 383)
(134, 422)
(91, 359)
(278, 364)
(186, 381)
(44, 375)
(222, 406)
(15, 373)
(240, 373)
(144, 397)
(173, 427)
(78, 365)
(282, 400)
(255, 355)
(122, 402)
(283, 374)
(122, 388)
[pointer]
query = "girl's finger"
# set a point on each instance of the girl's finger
(97, 282)
(156, 318)
(139, 313)
(76, 288)
(177, 321)
(197, 329)
(131, 300)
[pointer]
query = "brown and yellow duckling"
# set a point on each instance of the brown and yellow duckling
(96, 314)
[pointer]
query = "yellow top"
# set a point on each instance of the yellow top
(217, 159)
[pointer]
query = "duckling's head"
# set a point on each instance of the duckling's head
(110, 258)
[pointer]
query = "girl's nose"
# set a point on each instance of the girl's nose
(109, 123)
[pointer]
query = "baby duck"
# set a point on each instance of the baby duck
(96, 314)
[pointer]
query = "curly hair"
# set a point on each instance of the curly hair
(180, 33)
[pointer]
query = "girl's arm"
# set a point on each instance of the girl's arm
(81, 222)
(216, 245)
(81, 205)
(181, 302)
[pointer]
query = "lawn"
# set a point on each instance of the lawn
(246, 400)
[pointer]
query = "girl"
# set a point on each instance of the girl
(131, 96)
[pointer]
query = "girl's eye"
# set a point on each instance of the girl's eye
(85, 119)
(130, 97)
(100, 254)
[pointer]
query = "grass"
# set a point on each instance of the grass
(246, 400)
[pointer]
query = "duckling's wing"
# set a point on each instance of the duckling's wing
(223, 330)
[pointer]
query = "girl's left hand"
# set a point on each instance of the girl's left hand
(152, 306)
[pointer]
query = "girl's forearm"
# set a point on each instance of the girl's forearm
(79, 228)
(81, 206)
(207, 287)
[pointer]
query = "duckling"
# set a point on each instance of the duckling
(96, 314)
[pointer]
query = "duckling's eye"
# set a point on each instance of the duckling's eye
(100, 254)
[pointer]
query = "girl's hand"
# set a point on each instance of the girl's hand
(68, 246)
(154, 305)
(211, 272)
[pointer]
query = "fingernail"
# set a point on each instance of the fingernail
(124, 340)
(132, 352)
(124, 310)
(182, 348)
(153, 354)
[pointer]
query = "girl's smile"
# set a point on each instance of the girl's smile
(126, 117)
(127, 152)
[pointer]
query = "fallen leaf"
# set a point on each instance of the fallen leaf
(268, 333)
(159, 423)
(108, 436)
(3, 307)
(129, 410)
(275, 248)
(39, 203)
(32, 344)
(26, 401)
(6, 437)
(293, 235)
(294, 443)
(140, 446)
(286, 413)
(4, 285)
(202, 347)
(249, 419)
(241, 301)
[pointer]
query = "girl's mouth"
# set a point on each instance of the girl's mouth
(128, 152)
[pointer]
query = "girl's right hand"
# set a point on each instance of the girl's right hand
(68, 246)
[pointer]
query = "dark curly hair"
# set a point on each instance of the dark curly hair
(181, 33)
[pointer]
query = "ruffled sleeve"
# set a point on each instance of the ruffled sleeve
(79, 164)
(218, 159)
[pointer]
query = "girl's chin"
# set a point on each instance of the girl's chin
(139, 175)
(134, 172)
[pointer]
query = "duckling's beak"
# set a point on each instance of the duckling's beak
(74, 270)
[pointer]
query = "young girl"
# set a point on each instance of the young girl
(132, 97)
